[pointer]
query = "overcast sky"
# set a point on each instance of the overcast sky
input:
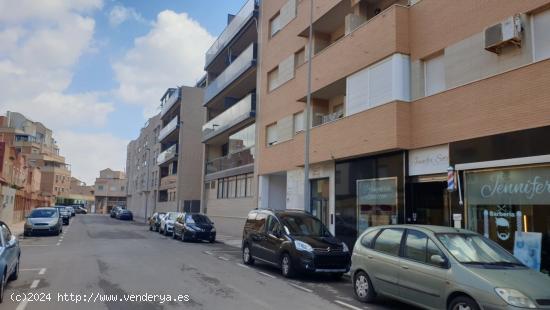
(94, 70)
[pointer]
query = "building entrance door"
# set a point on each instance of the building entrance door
(319, 199)
(430, 203)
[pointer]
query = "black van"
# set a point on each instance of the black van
(295, 241)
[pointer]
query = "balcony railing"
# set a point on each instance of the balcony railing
(169, 128)
(230, 161)
(237, 113)
(322, 119)
(170, 102)
(245, 14)
(245, 61)
(168, 154)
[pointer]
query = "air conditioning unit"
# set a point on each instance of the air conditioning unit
(507, 32)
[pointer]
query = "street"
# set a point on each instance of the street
(98, 257)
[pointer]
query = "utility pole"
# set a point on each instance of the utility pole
(307, 204)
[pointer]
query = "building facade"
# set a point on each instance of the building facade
(229, 133)
(109, 191)
(180, 157)
(401, 92)
(80, 194)
(142, 170)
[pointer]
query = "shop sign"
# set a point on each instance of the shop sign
(430, 160)
(377, 191)
(530, 185)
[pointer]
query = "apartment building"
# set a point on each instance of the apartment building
(80, 194)
(142, 170)
(229, 133)
(109, 191)
(180, 157)
(401, 92)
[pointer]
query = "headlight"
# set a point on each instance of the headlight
(345, 247)
(302, 246)
(515, 298)
(213, 229)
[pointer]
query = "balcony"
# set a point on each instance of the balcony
(168, 182)
(231, 161)
(168, 129)
(237, 114)
(249, 10)
(169, 154)
(169, 102)
(245, 61)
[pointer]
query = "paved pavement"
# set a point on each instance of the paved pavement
(97, 258)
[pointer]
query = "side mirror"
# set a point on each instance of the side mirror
(438, 260)
(12, 241)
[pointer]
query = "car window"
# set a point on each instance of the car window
(273, 225)
(415, 246)
(5, 234)
(432, 249)
(389, 241)
(260, 221)
(367, 239)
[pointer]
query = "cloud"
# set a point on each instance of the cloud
(120, 14)
(90, 153)
(171, 54)
(49, 10)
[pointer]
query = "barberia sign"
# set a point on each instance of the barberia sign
(510, 186)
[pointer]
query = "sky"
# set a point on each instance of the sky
(93, 71)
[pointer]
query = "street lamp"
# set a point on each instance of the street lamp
(307, 204)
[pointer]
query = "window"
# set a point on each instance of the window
(6, 236)
(275, 24)
(271, 132)
(415, 246)
(220, 188)
(273, 225)
(434, 75)
(231, 187)
(300, 57)
(273, 79)
(241, 186)
(249, 187)
(432, 249)
(366, 241)
(299, 122)
(541, 35)
(260, 221)
(389, 241)
(100, 187)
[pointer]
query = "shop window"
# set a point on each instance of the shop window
(541, 35)
(231, 187)
(249, 185)
(434, 75)
(241, 186)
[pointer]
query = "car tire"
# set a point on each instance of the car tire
(150, 228)
(336, 275)
(2, 287)
(15, 275)
(165, 231)
(58, 232)
(174, 234)
(362, 287)
(212, 240)
(287, 269)
(247, 255)
(463, 302)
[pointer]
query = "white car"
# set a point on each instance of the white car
(167, 223)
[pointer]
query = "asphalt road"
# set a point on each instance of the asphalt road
(98, 258)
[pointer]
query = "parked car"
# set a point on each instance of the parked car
(81, 210)
(43, 220)
(194, 226)
(295, 241)
(443, 268)
(125, 214)
(71, 210)
(154, 220)
(167, 222)
(10, 255)
(115, 210)
(64, 213)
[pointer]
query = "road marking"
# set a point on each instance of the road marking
(223, 258)
(58, 243)
(341, 303)
(208, 252)
(22, 304)
(35, 283)
(35, 244)
(42, 271)
(30, 269)
(244, 266)
(301, 287)
(267, 275)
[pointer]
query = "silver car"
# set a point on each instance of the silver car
(438, 267)
(43, 220)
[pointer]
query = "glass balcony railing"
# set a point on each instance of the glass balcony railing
(170, 102)
(168, 154)
(234, 160)
(245, 61)
(168, 129)
(237, 113)
(245, 14)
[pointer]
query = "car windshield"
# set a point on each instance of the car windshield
(61, 209)
(197, 219)
(475, 249)
(303, 225)
(43, 213)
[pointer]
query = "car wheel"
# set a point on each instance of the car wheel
(286, 266)
(2, 287)
(463, 303)
(58, 232)
(212, 239)
(165, 231)
(247, 255)
(150, 228)
(15, 273)
(362, 287)
(174, 234)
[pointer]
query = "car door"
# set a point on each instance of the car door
(421, 280)
(384, 260)
(9, 248)
(273, 239)
(258, 236)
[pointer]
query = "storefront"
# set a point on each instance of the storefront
(369, 192)
(506, 191)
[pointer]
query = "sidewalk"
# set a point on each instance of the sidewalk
(18, 228)
(229, 240)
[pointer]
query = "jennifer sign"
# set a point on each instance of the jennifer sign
(510, 186)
